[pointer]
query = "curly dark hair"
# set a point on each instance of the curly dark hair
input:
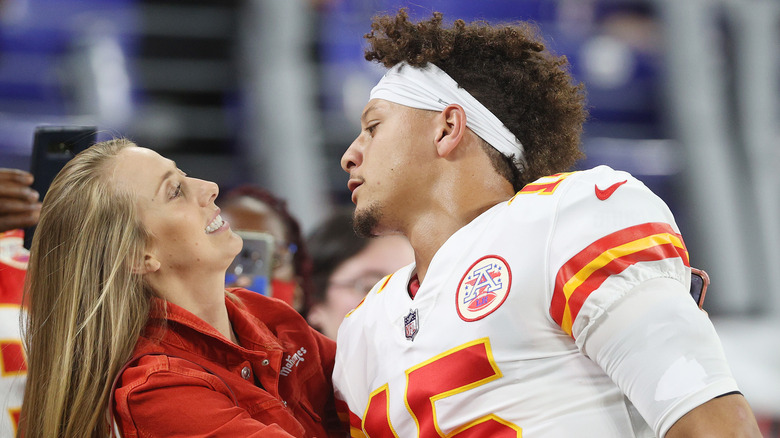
(506, 68)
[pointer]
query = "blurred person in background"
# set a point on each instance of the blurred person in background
(541, 302)
(129, 320)
(251, 208)
(19, 208)
(346, 267)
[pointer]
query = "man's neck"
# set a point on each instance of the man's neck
(464, 186)
(429, 232)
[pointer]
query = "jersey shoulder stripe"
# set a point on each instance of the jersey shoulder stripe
(545, 185)
(382, 283)
(378, 288)
(609, 256)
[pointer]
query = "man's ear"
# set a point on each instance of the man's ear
(149, 265)
(451, 129)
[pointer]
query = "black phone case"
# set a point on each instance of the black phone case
(53, 146)
(699, 283)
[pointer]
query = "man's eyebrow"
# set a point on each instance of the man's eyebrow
(368, 110)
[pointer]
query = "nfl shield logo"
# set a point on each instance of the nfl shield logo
(411, 324)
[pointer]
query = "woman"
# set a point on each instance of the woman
(130, 324)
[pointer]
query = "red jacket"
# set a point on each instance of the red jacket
(188, 380)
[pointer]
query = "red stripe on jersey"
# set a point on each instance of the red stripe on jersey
(540, 187)
(384, 283)
(379, 290)
(616, 266)
(342, 410)
(12, 361)
(15, 413)
(355, 426)
(545, 188)
(348, 417)
(608, 256)
(11, 284)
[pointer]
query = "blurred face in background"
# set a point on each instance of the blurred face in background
(354, 278)
(249, 214)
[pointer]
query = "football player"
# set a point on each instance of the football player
(541, 302)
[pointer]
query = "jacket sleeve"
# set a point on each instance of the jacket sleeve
(334, 423)
(159, 402)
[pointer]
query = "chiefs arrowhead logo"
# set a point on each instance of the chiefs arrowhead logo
(606, 193)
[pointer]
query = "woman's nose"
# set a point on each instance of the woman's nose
(208, 192)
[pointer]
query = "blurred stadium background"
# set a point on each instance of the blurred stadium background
(683, 94)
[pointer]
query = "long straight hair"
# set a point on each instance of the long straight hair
(87, 305)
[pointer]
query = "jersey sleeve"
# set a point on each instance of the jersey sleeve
(662, 351)
(610, 234)
(620, 276)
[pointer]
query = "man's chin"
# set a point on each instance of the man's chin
(365, 221)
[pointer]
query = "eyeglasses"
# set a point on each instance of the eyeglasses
(361, 284)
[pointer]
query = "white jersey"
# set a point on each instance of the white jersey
(493, 342)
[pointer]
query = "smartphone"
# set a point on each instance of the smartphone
(53, 146)
(251, 268)
(699, 283)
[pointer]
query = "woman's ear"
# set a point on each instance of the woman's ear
(451, 129)
(149, 265)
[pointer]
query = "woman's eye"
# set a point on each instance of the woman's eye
(176, 192)
(370, 129)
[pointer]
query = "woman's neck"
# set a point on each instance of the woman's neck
(204, 299)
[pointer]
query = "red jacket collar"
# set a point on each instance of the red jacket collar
(254, 333)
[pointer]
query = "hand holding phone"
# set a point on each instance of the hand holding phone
(251, 269)
(53, 146)
(19, 204)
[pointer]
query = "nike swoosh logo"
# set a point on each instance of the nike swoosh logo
(606, 193)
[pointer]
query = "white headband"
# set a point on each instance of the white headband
(430, 88)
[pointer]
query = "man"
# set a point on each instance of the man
(560, 310)
(346, 267)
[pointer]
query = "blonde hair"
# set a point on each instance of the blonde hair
(87, 306)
